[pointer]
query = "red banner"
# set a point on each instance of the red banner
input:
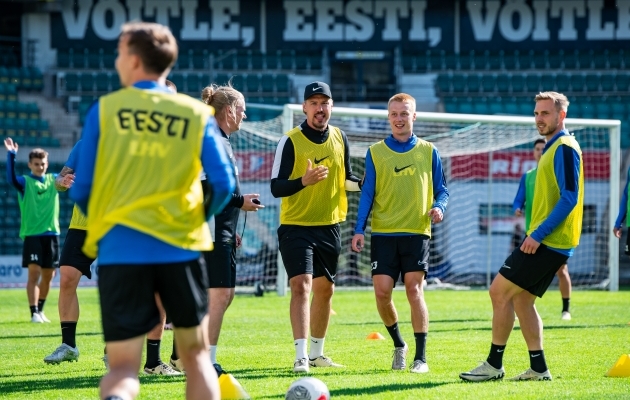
(254, 165)
(513, 164)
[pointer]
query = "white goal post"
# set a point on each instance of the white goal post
(484, 157)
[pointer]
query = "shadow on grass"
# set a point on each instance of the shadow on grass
(51, 335)
(72, 382)
(372, 390)
(438, 321)
(545, 327)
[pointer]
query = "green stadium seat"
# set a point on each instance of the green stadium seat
(184, 60)
(449, 62)
(38, 79)
(222, 79)
(494, 60)
(242, 60)
(20, 126)
(102, 81)
(622, 82)
(458, 83)
(517, 83)
(108, 58)
(252, 83)
(22, 111)
(436, 62)
(554, 59)
(267, 83)
(480, 106)
(532, 82)
(282, 83)
(591, 81)
(11, 109)
(78, 58)
(503, 82)
(563, 82)
(286, 59)
(195, 83)
(570, 59)
(27, 81)
(44, 129)
(10, 129)
(2, 110)
(238, 82)
(71, 82)
(450, 104)
(614, 59)
(547, 82)
(600, 60)
(509, 60)
(466, 61)
(466, 106)
(86, 81)
(15, 76)
(602, 110)
(588, 110)
(585, 60)
(495, 106)
(607, 81)
(316, 61)
(577, 82)
(178, 79)
(511, 108)
(618, 109)
(32, 127)
(200, 59)
(473, 83)
(93, 59)
(488, 83)
(443, 82)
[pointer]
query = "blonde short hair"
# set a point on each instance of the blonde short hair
(403, 97)
(559, 100)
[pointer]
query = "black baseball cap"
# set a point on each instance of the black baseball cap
(317, 88)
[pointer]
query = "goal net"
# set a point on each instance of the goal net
(484, 157)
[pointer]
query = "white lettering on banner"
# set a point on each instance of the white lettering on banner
(161, 10)
(76, 23)
(327, 24)
(222, 26)
(99, 24)
(327, 29)
(541, 29)
(532, 22)
(595, 30)
(525, 21)
(296, 27)
(361, 26)
(623, 20)
(190, 29)
(569, 10)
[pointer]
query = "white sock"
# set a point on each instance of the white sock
(213, 354)
(300, 348)
(317, 348)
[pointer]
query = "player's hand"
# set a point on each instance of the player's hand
(518, 212)
(314, 175)
(249, 204)
(617, 232)
(436, 215)
(529, 245)
(358, 241)
(239, 241)
(11, 145)
(66, 181)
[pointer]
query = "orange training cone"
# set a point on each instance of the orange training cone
(621, 367)
(375, 336)
(231, 389)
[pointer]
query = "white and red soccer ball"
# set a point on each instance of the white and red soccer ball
(308, 389)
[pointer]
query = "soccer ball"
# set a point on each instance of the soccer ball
(308, 389)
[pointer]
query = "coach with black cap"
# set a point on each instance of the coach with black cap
(311, 173)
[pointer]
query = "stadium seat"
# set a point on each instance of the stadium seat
(267, 83)
(602, 110)
(177, 79)
(10, 127)
(443, 82)
(562, 82)
(22, 111)
(63, 58)
(77, 59)
(607, 81)
(449, 62)
(577, 82)
(591, 82)
(238, 82)
(511, 108)
(547, 82)
(435, 60)
(503, 83)
(32, 127)
(2, 110)
(517, 83)
(38, 78)
(600, 59)
(15, 76)
(532, 82)
(252, 83)
(44, 129)
(242, 60)
(71, 82)
(555, 59)
(622, 82)
(257, 60)
(458, 82)
(27, 81)
(494, 60)
(614, 59)
(570, 59)
(473, 83)
(102, 81)
(465, 61)
(194, 83)
(466, 106)
(109, 58)
(200, 59)
(86, 81)
(618, 110)
(488, 83)
(11, 109)
(282, 83)
(93, 59)
(585, 60)
(450, 104)
(495, 106)
(509, 60)
(526, 107)
(480, 106)
(184, 60)
(222, 79)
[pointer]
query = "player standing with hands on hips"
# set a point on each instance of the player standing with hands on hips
(404, 187)
(554, 232)
(311, 173)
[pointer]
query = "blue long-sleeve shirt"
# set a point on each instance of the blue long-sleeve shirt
(519, 200)
(123, 245)
(440, 192)
(566, 164)
(623, 206)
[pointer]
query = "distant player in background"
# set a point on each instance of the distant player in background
(624, 209)
(311, 173)
(405, 189)
(39, 206)
(522, 202)
(554, 232)
(142, 152)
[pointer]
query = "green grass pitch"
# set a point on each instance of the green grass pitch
(256, 347)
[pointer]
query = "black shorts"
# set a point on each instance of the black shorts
(310, 250)
(72, 255)
(533, 272)
(397, 255)
(221, 264)
(41, 250)
(627, 249)
(127, 296)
